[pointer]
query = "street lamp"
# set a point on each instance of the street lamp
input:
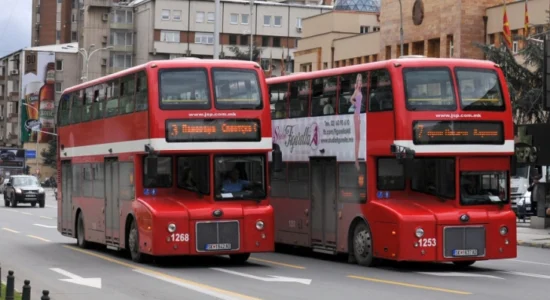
(86, 55)
(38, 114)
(401, 28)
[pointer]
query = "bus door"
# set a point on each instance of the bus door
(112, 208)
(66, 197)
(323, 202)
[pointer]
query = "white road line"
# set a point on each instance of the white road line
(9, 209)
(38, 238)
(26, 213)
(10, 230)
(458, 274)
(191, 287)
(45, 226)
(528, 274)
(44, 217)
(51, 206)
(530, 262)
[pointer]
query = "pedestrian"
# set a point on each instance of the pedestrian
(537, 193)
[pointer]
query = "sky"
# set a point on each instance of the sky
(15, 25)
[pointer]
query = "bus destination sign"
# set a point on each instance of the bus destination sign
(457, 132)
(213, 130)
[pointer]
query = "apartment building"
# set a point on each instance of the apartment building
(53, 22)
(10, 82)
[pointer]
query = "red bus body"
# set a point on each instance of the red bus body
(430, 192)
(111, 127)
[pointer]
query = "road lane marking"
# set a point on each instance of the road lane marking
(166, 277)
(38, 238)
(26, 213)
(530, 262)
(416, 286)
(47, 218)
(277, 263)
(46, 226)
(10, 230)
(9, 209)
(458, 274)
(527, 274)
(51, 206)
(271, 278)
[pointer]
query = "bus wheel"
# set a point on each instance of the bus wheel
(362, 245)
(464, 263)
(80, 233)
(239, 258)
(133, 244)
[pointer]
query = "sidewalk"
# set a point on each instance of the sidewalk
(529, 237)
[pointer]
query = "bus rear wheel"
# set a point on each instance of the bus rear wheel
(133, 244)
(362, 245)
(80, 233)
(239, 258)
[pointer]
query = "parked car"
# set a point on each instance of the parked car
(24, 189)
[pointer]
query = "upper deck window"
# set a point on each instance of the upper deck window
(183, 89)
(429, 89)
(479, 89)
(237, 89)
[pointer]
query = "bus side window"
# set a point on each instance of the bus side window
(127, 94)
(299, 99)
(352, 184)
(390, 175)
(347, 88)
(298, 180)
(98, 100)
(126, 180)
(112, 98)
(323, 96)
(87, 109)
(64, 110)
(76, 107)
(380, 91)
(279, 97)
(99, 185)
(141, 91)
(279, 186)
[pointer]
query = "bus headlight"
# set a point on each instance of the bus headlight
(260, 225)
(503, 230)
(171, 227)
(419, 232)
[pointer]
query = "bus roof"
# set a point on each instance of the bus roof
(168, 63)
(403, 62)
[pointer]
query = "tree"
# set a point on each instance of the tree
(49, 155)
(524, 80)
(245, 55)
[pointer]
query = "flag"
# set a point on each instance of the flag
(526, 25)
(506, 28)
(283, 63)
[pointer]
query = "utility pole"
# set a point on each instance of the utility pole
(217, 30)
(251, 27)
(401, 28)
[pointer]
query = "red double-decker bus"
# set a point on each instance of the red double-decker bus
(168, 158)
(406, 160)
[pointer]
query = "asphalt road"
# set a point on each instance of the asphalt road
(31, 246)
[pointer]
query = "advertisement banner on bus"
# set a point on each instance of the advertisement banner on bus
(326, 135)
(12, 158)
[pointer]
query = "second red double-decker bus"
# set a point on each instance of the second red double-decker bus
(168, 158)
(405, 160)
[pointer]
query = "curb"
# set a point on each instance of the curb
(534, 245)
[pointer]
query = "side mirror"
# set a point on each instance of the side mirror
(8, 184)
(152, 166)
(277, 156)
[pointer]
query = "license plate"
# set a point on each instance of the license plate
(30, 196)
(465, 252)
(218, 246)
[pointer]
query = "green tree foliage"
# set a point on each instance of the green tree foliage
(49, 155)
(524, 79)
(245, 55)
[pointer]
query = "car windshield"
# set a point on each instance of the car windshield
(237, 89)
(481, 188)
(26, 181)
(240, 177)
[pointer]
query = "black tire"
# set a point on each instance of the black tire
(81, 233)
(464, 263)
(362, 245)
(42, 203)
(240, 258)
(133, 244)
(34, 204)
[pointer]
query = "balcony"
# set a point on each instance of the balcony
(123, 48)
(2, 97)
(14, 96)
(2, 77)
(100, 3)
(12, 136)
(13, 118)
(127, 26)
(13, 75)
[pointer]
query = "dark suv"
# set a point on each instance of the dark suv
(24, 189)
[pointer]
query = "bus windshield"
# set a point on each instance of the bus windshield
(429, 89)
(479, 89)
(240, 177)
(183, 89)
(481, 188)
(237, 89)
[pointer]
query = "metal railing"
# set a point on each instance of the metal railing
(25, 291)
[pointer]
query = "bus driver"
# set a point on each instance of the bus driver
(233, 183)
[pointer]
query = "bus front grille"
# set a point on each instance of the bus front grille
(217, 236)
(463, 241)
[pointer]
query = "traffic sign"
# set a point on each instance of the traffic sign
(30, 153)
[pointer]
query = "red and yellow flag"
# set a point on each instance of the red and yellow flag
(506, 29)
(526, 25)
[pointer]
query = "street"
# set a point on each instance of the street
(32, 247)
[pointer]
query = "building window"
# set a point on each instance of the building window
(58, 87)
(124, 16)
(244, 19)
(234, 19)
(211, 17)
(121, 38)
(170, 36)
(204, 38)
(199, 17)
(265, 41)
(278, 21)
(244, 40)
(59, 1)
(276, 41)
(58, 35)
(74, 36)
(364, 29)
(267, 20)
(73, 18)
(165, 15)
(121, 61)
(59, 65)
(298, 22)
(232, 39)
(176, 15)
(376, 28)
